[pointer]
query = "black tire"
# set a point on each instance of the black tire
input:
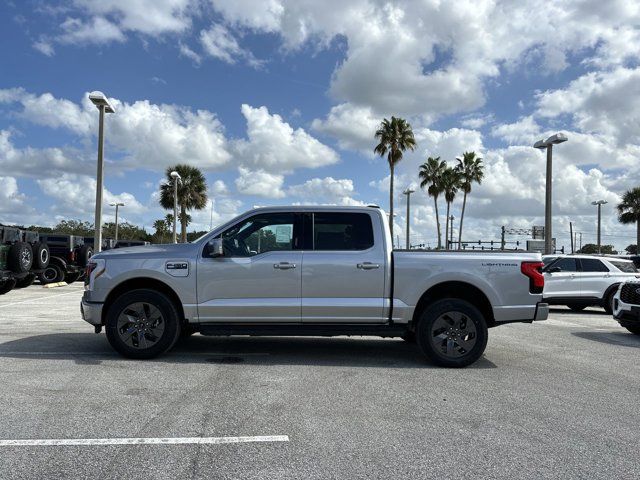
(85, 252)
(452, 333)
(72, 277)
(25, 281)
(155, 329)
(41, 255)
(632, 327)
(7, 286)
(576, 307)
(52, 274)
(20, 257)
(608, 302)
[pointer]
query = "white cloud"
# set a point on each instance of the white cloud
(219, 42)
(274, 146)
(97, 30)
(327, 190)
(525, 130)
(186, 51)
(259, 183)
(354, 127)
(11, 198)
(44, 47)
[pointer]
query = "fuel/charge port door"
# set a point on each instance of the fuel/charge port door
(177, 268)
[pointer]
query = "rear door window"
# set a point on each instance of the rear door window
(590, 265)
(342, 231)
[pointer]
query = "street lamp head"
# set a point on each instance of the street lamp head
(599, 202)
(555, 139)
(117, 204)
(408, 191)
(540, 144)
(175, 175)
(99, 99)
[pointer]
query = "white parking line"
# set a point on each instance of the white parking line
(34, 300)
(141, 441)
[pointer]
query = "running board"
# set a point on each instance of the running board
(295, 330)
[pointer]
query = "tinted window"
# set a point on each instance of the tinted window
(565, 265)
(548, 260)
(342, 231)
(593, 265)
(259, 234)
(626, 267)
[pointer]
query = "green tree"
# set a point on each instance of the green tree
(431, 177)
(632, 249)
(450, 185)
(629, 210)
(75, 227)
(126, 231)
(162, 230)
(471, 171)
(192, 193)
(592, 248)
(394, 137)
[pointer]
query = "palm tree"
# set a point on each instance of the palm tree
(394, 137)
(629, 210)
(431, 175)
(161, 229)
(471, 171)
(192, 193)
(450, 185)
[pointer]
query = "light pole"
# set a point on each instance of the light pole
(599, 203)
(100, 101)
(176, 178)
(548, 144)
(117, 204)
(408, 193)
(451, 218)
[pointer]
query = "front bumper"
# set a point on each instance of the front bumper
(91, 312)
(625, 312)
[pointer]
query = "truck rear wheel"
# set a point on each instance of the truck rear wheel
(142, 324)
(452, 333)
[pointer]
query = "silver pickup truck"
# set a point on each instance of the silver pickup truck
(319, 271)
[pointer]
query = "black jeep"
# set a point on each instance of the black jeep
(69, 257)
(23, 256)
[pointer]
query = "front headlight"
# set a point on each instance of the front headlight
(95, 268)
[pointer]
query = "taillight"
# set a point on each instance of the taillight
(72, 256)
(533, 270)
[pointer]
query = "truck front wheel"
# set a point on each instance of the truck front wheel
(452, 333)
(142, 324)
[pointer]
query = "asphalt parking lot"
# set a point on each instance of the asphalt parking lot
(557, 399)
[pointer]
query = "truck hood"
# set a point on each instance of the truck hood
(148, 251)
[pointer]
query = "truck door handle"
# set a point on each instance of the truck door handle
(368, 266)
(284, 265)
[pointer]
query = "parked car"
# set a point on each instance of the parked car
(22, 257)
(69, 257)
(580, 281)
(634, 258)
(130, 243)
(316, 271)
(626, 306)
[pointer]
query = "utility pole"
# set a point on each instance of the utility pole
(571, 234)
(599, 203)
(408, 193)
(580, 240)
(451, 218)
(502, 243)
(117, 204)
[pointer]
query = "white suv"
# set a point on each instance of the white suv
(580, 281)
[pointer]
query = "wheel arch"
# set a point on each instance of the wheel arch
(611, 290)
(455, 289)
(146, 283)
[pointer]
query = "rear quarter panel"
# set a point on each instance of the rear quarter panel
(497, 275)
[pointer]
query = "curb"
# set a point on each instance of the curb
(54, 285)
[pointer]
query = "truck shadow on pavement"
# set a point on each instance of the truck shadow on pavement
(611, 338)
(590, 311)
(92, 349)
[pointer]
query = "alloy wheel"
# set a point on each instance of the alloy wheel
(453, 334)
(140, 325)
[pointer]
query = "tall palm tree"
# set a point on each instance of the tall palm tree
(450, 184)
(431, 175)
(394, 137)
(629, 210)
(192, 193)
(471, 171)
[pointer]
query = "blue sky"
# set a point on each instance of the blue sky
(277, 102)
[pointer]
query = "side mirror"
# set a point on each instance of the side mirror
(215, 248)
